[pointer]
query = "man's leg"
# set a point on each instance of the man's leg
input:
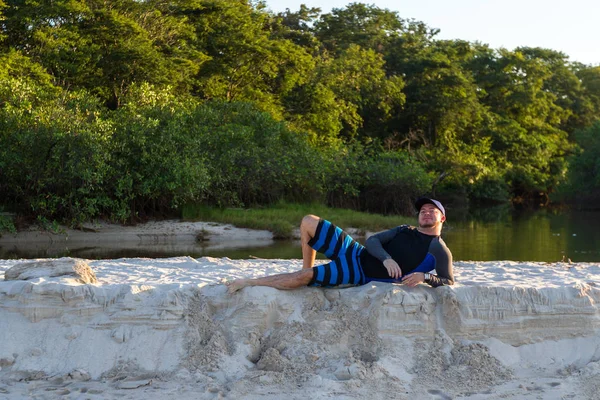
(290, 280)
(308, 228)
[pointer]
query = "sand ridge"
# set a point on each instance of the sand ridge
(167, 328)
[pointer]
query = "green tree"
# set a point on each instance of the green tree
(358, 79)
(315, 108)
(443, 117)
(53, 152)
(15, 65)
(2, 7)
(589, 107)
(156, 166)
(103, 46)
(368, 26)
(583, 185)
(527, 118)
(347, 97)
(566, 88)
(247, 61)
(298, 27)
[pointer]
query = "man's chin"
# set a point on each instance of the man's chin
(427, 225)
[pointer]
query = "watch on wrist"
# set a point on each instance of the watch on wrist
(427, 276)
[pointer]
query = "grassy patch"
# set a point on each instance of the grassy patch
(283, 218)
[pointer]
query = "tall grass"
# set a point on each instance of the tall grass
(281, 219)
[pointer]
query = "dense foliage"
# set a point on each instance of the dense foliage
(130, 108)
(583, 183)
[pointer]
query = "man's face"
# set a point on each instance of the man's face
(430, 216)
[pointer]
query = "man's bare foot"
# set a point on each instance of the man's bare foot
(234, 286)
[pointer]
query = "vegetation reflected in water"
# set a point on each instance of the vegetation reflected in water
(528, 236)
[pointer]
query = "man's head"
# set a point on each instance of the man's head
(431, 212)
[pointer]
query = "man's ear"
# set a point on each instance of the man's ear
(443, 219)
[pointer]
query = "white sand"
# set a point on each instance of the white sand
(165, 328)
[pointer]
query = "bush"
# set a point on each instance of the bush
(386, 182)
(254, 159)
(64, 157)
(582, 186)
(489, 189)
(155, 164)
(53, 152)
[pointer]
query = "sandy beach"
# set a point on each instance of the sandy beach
(166, 328)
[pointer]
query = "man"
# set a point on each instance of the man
(403, 254)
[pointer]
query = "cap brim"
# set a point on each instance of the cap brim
(425, 200)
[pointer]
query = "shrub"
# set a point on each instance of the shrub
(382, 182)
(583, 184)
(155, 164)
(64, 157)
(490, 189)
(254, 159)
(53, 152)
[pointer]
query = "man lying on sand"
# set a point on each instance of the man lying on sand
(418, 250)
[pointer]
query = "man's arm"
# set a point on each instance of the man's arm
(374, 246)
(375, 243)
(439, 258)
(443, 264)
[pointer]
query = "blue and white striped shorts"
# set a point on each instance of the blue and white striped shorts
(338, 246)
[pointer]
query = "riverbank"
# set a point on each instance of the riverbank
(166, 328)
(180, 236)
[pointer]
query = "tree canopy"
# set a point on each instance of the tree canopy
(362, 82)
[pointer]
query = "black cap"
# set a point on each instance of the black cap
(425, 200)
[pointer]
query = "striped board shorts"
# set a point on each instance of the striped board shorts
(344, 253)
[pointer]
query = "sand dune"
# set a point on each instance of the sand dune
(166, 328)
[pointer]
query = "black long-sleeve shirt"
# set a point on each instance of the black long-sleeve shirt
(412, 250)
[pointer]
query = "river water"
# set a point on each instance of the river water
(483, 235)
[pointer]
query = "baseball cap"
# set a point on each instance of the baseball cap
(425, 200)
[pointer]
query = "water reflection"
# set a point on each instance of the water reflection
(483, 235)
(533, 236)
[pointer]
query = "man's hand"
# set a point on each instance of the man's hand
(393, 268)
(412, 280)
